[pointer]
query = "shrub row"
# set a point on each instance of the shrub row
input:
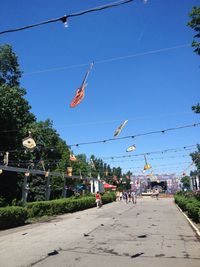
(16, 216)
(12, 217)
(190, 205)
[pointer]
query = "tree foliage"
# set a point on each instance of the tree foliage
(196, 108)
(51, 152)
(186, 182)
(195, 25)
(10, 72)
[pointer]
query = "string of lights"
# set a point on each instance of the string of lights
(55, 161)
(188, 148)
(64, 19)
(159, 165)
(157, 158)
(113, 121)
(174, 150)
(134, 136)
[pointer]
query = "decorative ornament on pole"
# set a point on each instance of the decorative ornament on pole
(80, 93)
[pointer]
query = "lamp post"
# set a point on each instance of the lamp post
(25, 187)
(48, 186)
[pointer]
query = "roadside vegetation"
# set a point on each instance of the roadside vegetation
(189, 202)
(12, 216)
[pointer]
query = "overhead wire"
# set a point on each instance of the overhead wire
(134, 136)
(64, 19)
(189, 147)
(109, 59)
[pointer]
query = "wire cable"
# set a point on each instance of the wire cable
(133, 136)
(109, 59)
(64, 18)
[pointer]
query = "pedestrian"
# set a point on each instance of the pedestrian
(125, 197)
(157, 193)
(133, 197)
(98, 199)
(117, 196)
(120, 196)
(129, 196)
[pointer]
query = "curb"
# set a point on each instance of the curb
(190, 222)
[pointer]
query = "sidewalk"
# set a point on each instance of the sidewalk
(151, 233)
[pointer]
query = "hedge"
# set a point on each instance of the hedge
(65, 205)
(12, 217)
(59, 206)
(189, 204)
(16, 216)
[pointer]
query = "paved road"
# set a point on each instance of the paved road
(152, 233)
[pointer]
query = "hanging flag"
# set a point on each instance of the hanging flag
(72, 157)
(131, 148)
(119, 129)
(80, 93)
(29, 142)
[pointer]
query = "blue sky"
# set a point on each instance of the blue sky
(154, 91)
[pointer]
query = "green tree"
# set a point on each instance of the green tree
(196, 158)
(196, 108)
(10, 72)
(195, 25)
(15, 118)
(186, 182)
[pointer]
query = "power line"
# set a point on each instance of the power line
(133, 136)
(153, 152)
(150, 159)
(64, 19)
(110, 59)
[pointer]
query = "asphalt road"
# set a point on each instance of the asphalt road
(151, 233)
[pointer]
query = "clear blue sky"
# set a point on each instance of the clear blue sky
(153, 91)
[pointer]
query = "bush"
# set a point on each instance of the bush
(65, 205)
(59, 206)
(190, 204)
(12, 217)
(193, 209)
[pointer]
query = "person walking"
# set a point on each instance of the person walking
(133, 197)
(157, 193)
(98, 199)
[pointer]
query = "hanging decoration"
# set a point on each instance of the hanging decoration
(69, 171)
(147, 166)
(29, 142)
(119, 129)
(72, 157)
(131, 148)
(80, 93)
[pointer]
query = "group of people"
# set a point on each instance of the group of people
(127, 196)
